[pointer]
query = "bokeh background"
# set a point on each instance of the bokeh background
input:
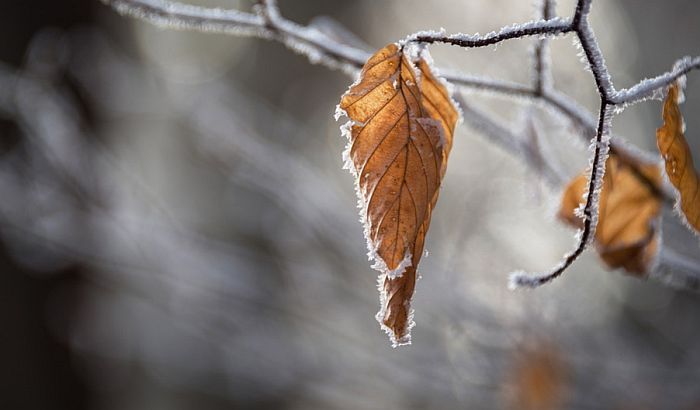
(176, 231)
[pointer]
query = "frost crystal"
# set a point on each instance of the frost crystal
(339, 112)
(381, 266)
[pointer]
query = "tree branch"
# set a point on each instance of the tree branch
(514, 145)
(590, 209)
(308, 41)
(600, 145)
(319, 48)
(267, 23)
(552, 27)
(594, 56)
(651, 86)
(542, 74)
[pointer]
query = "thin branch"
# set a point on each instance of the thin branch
(487, 84)
(522, 279)
(182, 16)
(267, 23)
(579, 117)
(649, 87)
(548, 7)
(607, 92)
(561, 103)
(308, 41)
(320, 48)
(518, 147)
(542, 75)
(600, 153)
(594, 56)
(551, 27)
(323, 49)
(677, 270)
(569, 108)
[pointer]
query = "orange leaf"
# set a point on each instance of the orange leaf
(626, 236)
(539, 379)
(398, 147)
(679, 163)
(438, 105)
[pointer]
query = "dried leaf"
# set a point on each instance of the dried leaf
(400, 134)
(626, 236)
(679, 162)
(539, 379)
(438, 104)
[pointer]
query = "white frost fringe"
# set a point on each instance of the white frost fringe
(404, 340)
(372, 255)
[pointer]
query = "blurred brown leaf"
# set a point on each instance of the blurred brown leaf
(626, 236)
(539, 379)
(679, 162)
(402, 127)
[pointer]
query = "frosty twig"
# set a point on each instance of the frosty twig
(267, 22)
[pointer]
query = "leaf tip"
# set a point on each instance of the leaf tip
(399, 331)
(395, 339)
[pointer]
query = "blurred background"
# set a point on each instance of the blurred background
(176, 231)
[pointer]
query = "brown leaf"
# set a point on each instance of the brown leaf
(538, 379)
(679, 162)
(438, 104)
(400, 134)
(626, 236)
